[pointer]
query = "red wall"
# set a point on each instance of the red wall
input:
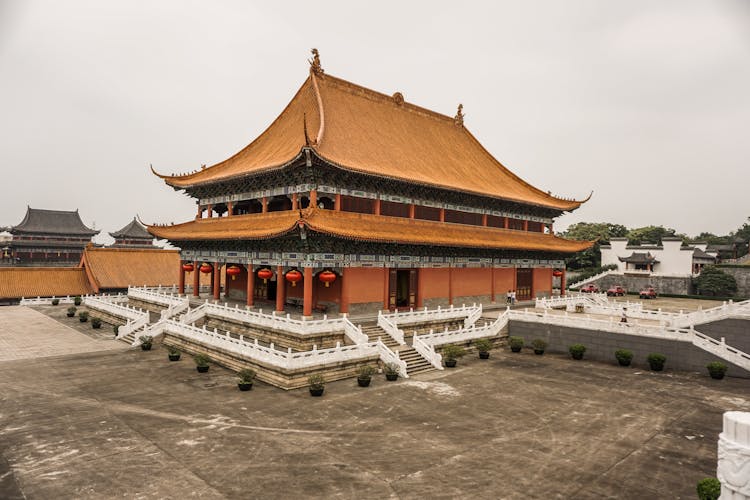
(505, 279)
(471, 281)
(541, 281)
(366, 284)
(434, 282)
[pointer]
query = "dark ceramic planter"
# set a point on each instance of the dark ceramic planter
(83, 320)
(577, 356)
(317, 392)
(515, 349)
(391, 376)
(96, 327)
(624, 362)
(245, 386)
(450, 363)
(146, 347)
(484, 355)
(716, 375)
(657, 367)
(538, 352)
(174, 357)
(363, 382)
(70, 315)
(202, 369)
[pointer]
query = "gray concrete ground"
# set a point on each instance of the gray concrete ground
(133, 425)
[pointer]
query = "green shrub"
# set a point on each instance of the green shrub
(146, 339)
(483, 345)
(624, 356)
(577, 351)
(365, 372)
(391, 369)
(316, 381)
(173, 351)
(77, 300)
(716, 369)
(515, 342)
(539, 344)
(55, 302)
(246, 376)
(96, 323)
(708, 489)
(83, 316)
(201, 359)
(451, 352)
(656, 361)
(72, 311)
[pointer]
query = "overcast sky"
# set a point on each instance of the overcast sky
(647, 103)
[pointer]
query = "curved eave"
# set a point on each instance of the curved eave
(237, 227)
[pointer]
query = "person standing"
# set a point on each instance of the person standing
(513, 298)
(507, 298)
(624, 318)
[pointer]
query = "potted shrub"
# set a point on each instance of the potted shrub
(515, 343)
(146, 341)
(624, 357)
(72, 311)
(709, 489)
(201, 362)
(391, 371)
(96, 323)
(656, 361)
(83, 316)
(246, 379)
(451, 353)
(55, 302)
(716, 369)
(539, 345)
(364, 375)
(173, 353)
(317, 384)
(77, 300)
(577, 350)
(483, 346)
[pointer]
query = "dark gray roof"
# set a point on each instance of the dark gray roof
(639, 258)
(39, 221)
(134, 230)
(700, 254)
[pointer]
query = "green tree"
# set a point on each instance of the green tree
(715, 282)
(590, 231)
(649, 234)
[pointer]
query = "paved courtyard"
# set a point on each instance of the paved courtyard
(133, 425)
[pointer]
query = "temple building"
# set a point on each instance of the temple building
(354, 201)
(134, 235)
(48, 237)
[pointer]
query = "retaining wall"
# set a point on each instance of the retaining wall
(736, 332)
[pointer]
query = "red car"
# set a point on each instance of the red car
(616, 290)
(648, 293)
(590, 288)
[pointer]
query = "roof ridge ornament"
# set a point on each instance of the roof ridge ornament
(315, 66)
(398, 97)
(459, 118)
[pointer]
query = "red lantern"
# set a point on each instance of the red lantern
(265, 274)
(557, 273)
(293, 277)
(233, 271)
(188, 267)
(206, 268)
(327, 277)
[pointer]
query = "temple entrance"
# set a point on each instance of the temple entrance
(402, 285)
(264, 291)
(524, 281)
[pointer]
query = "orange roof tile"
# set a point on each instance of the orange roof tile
(17, 282)
(363, 130)
(366, 227)
(121, 267)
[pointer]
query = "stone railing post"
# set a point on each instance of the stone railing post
(734, 456)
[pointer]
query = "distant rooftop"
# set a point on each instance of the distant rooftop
(38, 221)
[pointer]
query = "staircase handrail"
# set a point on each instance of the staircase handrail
(428, 352)
(473, 316)
(113, 308)
(132, 326)
(465, 334)
(421, 315)
(601, 275)
(722, 350)
(276, 321)
(354, 332)
(725, 310)
(390, 328)
(161, 296)
(388, 356)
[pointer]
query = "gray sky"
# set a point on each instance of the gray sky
(644, 102)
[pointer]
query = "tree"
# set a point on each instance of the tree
(649, 234)
(590, 231)
(715, 282)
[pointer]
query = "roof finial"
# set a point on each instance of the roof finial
(315, 66)
(459, 118)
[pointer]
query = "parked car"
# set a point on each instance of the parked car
(616, 290)
(648, 293)
(590, 288)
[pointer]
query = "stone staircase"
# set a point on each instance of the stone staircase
(373, 331)
(415, 363)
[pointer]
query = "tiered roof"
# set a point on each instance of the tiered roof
(60, 222)
(365, 131)
(133, 231)
(364, 227)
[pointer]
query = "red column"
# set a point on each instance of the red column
(376, 207)
(386, 274)
(442, 215)
(196, 279)
(314, 198)
(484, 220)
(420, 288)
(280, 291)
(450, 285)
(337, 203)
(307, 292)
(412, 210)
(525, 225)
(200, 212)
(250, 284)
(551, 231)
(217, 280)
(209, 210)
(230, 209)
(505, 222)
(264, 201)
(492, 286)
(295, 203)
(181, 285)
(562, 283)
(344, 299)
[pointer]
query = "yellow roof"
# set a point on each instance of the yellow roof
(122, 267)
(365, 227)
(362, 130)
(17, 282)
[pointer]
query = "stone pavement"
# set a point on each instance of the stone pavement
(26, 333)
(133, 425)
